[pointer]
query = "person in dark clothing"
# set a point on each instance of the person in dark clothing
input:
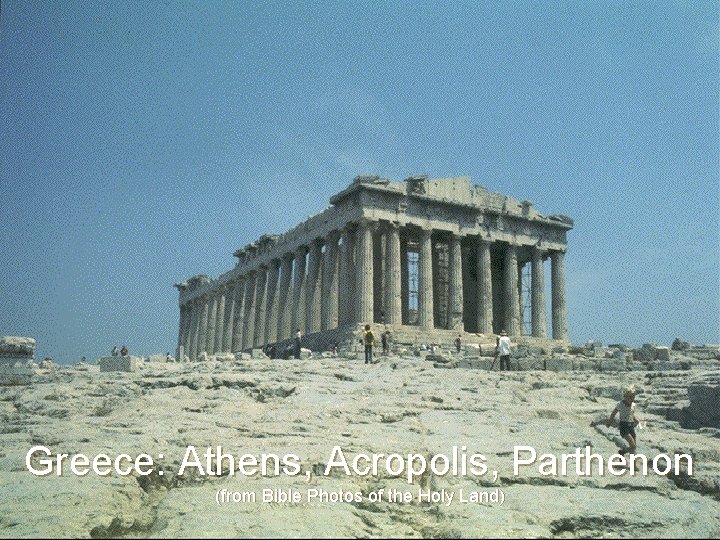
(386, 342)
(369, 341)
(458, 344)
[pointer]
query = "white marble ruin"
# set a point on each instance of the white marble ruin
(426, 258)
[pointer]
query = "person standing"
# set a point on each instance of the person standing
(298, 343)
(369, 341)
(502, 349)
(385, 339)
(458, 343)
(114, 351)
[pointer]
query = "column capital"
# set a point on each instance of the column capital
(301, 250)
(333, 236)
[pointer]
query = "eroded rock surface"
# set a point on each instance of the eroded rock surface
(402, 405)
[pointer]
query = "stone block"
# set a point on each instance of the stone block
(583, 364)
(558, 364)
(437, 358)
(224, 357)
(258, 354)
(16, 375)
(242, 356)
(703, 408)
(662, 354)
(305, 354)
(612, 365)
(16, 346)
(119, 363)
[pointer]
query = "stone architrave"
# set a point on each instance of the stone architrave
(559, 308)
(425, 278)
(512, 302)
(330, 283)
(284, 330)
(364, 275)
(484, 290)
(539, 322)
(393, 288)
(455, 306)
(313, 289)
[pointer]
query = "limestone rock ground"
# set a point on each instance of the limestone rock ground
(306, 407)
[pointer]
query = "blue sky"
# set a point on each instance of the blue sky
(143, 142)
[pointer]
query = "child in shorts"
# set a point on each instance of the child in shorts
(628, 420)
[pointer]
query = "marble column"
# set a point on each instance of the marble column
(559, 308)
(393, 286)
(298, 311)
(239, 319)
(313, 289)
(202, 330)
(229, 317)
(512, 301)
(539, 323)
(284, 330)
(249, 316)
(273, 302)
(364, 274)
(484, 289)
(181, 325)
(220, 321)
(194, 328)
(330, 283)
(425, 281)
(521, 300)
(260, 306)
(346, 308)
(456, 301)
(212, 314)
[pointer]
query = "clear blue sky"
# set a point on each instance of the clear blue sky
(143, 142)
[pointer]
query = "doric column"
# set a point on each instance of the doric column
(313, 289)
(539, 323)
(346, 308)
(559, 308)
(364, 274)
(220, 321)
(330, 283)
(229, 317)
(512, 301)
(194, 328)
(273, 294)
(249, 318)
(202, 331)
(260, 306)
(521, 301)
(181, 325)
(393, 287)
(455, 304)
(298, 312)
(212, 313)
(285, 301)
(239, 315)
(484, 289)
(425, 279)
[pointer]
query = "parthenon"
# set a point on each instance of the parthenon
(424, 258)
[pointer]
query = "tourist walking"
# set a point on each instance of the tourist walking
(502, 349)
(124, 351)
(628, 420)
(114, 351)
(458, 343)
(369, 341)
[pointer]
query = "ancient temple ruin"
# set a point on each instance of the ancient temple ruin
(425, 258)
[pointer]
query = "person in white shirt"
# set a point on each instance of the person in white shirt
(503, 351)
(628, 420)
